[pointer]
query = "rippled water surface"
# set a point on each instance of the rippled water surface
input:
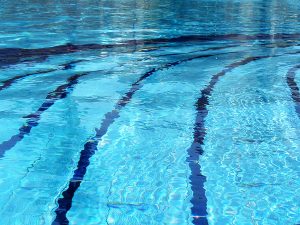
(150, 112)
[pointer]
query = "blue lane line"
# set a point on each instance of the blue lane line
(290, 77)
(7, 83)
(90, 147)
(60, 92)
(197, 179)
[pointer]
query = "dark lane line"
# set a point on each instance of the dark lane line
(10, 56)
(201, 50)
(7, 83)
(60, 92)
(197, 179)
(90, 147)
(290, 78)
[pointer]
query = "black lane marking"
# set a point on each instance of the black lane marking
(200, 50)
(13, 55)
(290, 77)
(90, 147)
(197, 179)
(7, 83)
(60, 92)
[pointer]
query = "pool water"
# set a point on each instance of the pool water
(137, 112)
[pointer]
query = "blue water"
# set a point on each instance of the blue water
(150, 112)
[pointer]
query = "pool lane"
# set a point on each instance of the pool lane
(123, 192)
(90, 147)
(253, 155)
(199, 201)
(7, 83)
(61, 92)
(55, 139)
(111, 205)
(58, 93)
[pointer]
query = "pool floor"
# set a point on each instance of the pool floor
(150, 112)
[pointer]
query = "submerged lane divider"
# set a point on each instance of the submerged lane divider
(60, 92)
(7, 83)
(290, 77)
(197, 180)
(90, 147)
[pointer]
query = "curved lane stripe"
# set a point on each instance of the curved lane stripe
(7, 83)
(60, 92)
(290, 77)
(197, 180)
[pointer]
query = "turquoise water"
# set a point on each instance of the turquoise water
(150, 112)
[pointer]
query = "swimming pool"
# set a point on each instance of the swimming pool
(149, 112)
